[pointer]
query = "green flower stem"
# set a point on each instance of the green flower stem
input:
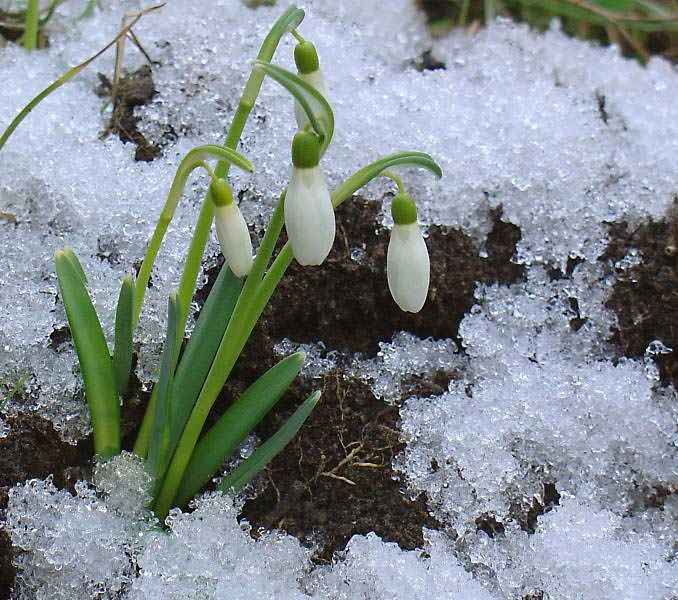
(144, 435)
(248, 309)
(30, 37)
(193, 159)
(395, 179)
(253, 299)
(189, 276)
(288, 21)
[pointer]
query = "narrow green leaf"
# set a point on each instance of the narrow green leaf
(241, 476)
(158, 451)
(235, 424)
(315, 105)
(199, 353)
(95, 361)
(122, 353)
(72, 72)
(368, 173)
(75, 262)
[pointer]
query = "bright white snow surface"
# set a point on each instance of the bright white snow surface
(513, 120)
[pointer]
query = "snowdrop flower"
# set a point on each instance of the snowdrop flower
(309, 214)
(308, 66)
(407, 262)
(232, 232)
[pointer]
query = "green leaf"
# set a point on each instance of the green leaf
(315, 106)
(199, 353)
(241, 476)
(122, 353)
(75, 262)
(56, 84)
(235, 424)
(95, 361)
(368, 173)
(158, 451)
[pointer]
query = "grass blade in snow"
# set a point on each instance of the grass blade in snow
(158, 452)
(241, 476)
(235, 424)
(122, 353)
(201, 348)
(72, 72)
(95, 361)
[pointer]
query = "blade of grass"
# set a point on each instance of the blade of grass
(235, 424)
(158, 450)
(72, 72)
(122, 352)
(263, 455)
(95, 361)
(201, 348)
(75, 262)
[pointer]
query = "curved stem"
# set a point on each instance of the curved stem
(245, 315)
(191, 161)
(395, 179)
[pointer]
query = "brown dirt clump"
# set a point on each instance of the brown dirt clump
(645, 296)
(133, 89)
(335, 479)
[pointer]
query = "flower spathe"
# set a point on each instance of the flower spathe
(408, 267)
(309, 216)
(232, 232)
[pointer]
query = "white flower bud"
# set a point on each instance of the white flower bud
(408, 267)
(309, 216)
(232, 232)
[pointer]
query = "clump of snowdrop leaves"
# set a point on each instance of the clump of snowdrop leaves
(179, 454)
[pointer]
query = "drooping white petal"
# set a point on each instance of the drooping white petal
(316, 80)
(408, 267)
(309, 216)
(234, 238)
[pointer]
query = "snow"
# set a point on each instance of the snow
(565, 136)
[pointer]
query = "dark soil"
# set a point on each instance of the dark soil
(133, 89)
(352, 309)
(645, 297)
(335, 479)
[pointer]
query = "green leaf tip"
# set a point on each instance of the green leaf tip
(375, 169)
(241, 476)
